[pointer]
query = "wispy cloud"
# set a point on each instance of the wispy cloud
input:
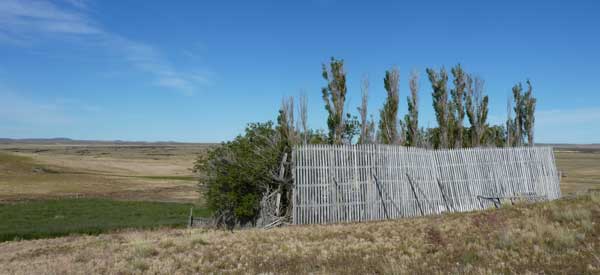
(80, 4)
(25, 22)
(23, 19)
(25, 116)
(18, 109)
(148, 59)
(22, 110)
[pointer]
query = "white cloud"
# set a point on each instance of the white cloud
(25, 22)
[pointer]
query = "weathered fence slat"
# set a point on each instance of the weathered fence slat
(344, 183)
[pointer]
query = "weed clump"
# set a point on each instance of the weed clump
(570, 215)
(144, 250)
(505, 240)
(435, 238)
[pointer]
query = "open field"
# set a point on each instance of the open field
(61, 217)
(580, 169)
(554, 237)
(157, 172)
(49, 190)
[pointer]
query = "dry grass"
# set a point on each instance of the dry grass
(556, 237)
(580, 169)
(149, 172)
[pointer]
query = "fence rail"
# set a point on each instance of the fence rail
(349, 183)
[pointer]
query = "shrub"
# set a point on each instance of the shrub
(237, 173)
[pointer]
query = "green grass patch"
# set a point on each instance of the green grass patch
(54, 218)
(15, 163)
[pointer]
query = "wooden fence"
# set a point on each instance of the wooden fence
(374, 182)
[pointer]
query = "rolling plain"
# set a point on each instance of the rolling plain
(141, 195)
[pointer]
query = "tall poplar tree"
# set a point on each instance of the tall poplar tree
(477, 109)
(524, 107)
(334, 95)
(412, 118)
(519, 109)
(457, 106)
(439, 83)
(363, 111)
(388, 123)
(529, 122)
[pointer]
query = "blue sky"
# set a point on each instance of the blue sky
(200, 70)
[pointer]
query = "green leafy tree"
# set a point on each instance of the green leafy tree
(430, 137)
(334, 95)
(388, 123)
(495, 136)
(351, 128)
(317, 137)
(439, 83)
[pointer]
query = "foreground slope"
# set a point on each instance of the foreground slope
(561, 236)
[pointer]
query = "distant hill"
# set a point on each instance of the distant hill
(36, 140)
(62, 140)
(565, 145)
(584, 148)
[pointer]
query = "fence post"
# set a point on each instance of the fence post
(412, 187)
(191, 219)
(381, 197)
(443, 195)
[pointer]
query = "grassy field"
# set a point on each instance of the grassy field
(49, 190)
(580, 170)
(152, 172)
(61, 217)
(547, 238)
(127, 191)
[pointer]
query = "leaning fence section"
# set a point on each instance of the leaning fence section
(374, 182)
